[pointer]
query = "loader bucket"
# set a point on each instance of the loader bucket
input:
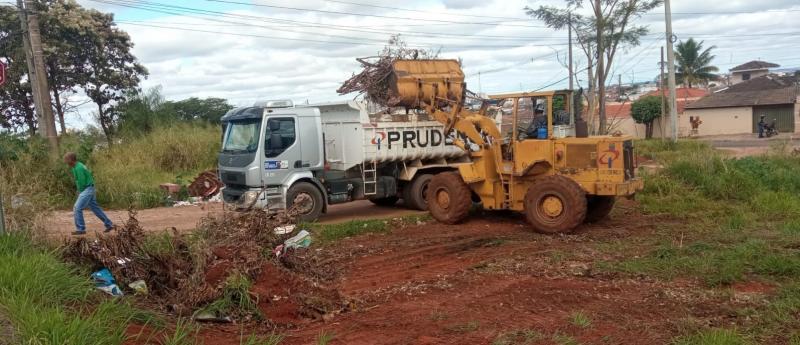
(418, 81)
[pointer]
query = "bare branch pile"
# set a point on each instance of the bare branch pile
(374, 80)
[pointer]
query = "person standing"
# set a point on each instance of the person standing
(761, 124)
(86, 195)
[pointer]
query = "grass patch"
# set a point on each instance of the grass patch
(580, 319)
(563, 339)
(36, 290)
(271, 339)
(716, 336)
(518, 337)
(236, 298)
(327, 233)
(470, 326)
(185, 333)
(324, 338)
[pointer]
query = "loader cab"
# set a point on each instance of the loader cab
(535, 115)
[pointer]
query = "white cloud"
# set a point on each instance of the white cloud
(258, 65)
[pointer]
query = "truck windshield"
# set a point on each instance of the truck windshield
(242, 136)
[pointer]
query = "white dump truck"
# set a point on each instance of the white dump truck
(276, 155)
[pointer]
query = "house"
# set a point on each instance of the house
(738, 108)
(619, 114)
(750, 70)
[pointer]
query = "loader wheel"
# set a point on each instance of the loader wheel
(449, 198)
(555, 204)
(385, 202)
(415, 194)
(598, 207)
(306, 199)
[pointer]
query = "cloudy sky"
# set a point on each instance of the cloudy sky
(248, 50)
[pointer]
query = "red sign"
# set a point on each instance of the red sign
(2, 73)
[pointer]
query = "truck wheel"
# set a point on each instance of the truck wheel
(386, 202)
(449, 198)
(416, 193)
(598, 207)
(307, 201)
(555, 204)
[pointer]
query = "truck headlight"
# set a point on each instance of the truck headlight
(249, 197)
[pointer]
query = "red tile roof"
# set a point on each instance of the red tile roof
(623, 110)
(681, 92)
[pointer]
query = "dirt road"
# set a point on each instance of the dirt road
(491, 281)
(186, 217)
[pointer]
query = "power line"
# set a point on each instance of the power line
(179, 10)
(422, 11)
(362, 14)
(322, 41)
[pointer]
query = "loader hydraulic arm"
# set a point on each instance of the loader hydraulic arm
(438, 87)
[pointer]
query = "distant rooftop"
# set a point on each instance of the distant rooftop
(754, 65)
(766, 90)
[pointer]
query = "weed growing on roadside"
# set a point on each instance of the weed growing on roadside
(185, 333)
(470, 326)
(563, 339)
(253, 339)
(518, 337)
(580, 319)
(438, 315)
(716, 336)
(324, 338)
(236, 298)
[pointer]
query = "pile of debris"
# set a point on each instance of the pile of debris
(375, 79)
(188, 273)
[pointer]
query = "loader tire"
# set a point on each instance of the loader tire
(385, 202)
(449, 198)
(310, 198)
(415, 193)
(555, 204)
(598, 207)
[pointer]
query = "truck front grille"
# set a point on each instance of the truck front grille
(232, 178)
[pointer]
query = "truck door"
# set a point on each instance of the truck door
(281, 149)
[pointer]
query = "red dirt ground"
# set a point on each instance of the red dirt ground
(476, 282)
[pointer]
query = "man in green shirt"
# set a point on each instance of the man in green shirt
(86, 195)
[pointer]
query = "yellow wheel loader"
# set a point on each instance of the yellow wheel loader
(524, 154)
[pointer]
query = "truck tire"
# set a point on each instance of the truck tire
(598, 207)
(555, 204)
(449, 198)
(386, 202)
(415, 193)
(311, 199)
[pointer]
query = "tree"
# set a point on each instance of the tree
(693, 63)
(83, 50)
(195, 109)
(16, 98)
(645, 110)
(113, 71)
(612, 22)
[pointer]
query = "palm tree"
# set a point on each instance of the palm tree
(693, 63)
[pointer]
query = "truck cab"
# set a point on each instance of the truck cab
(263, 156)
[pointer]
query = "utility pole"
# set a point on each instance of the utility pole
(598, 12)
(619, 86)
(661, 93)
(569, 33)
(480, 89)
(571, 71)
(37, 74)
(673, 108)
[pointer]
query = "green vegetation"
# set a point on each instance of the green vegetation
(36, 289)
(740, 220)
(580, 319)
(324, 338)
(327, 233)
(645, 110)
(185, 333)
(271, 339)
(518, 337)
(712, 337)
(236, 298)
(128, 174)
